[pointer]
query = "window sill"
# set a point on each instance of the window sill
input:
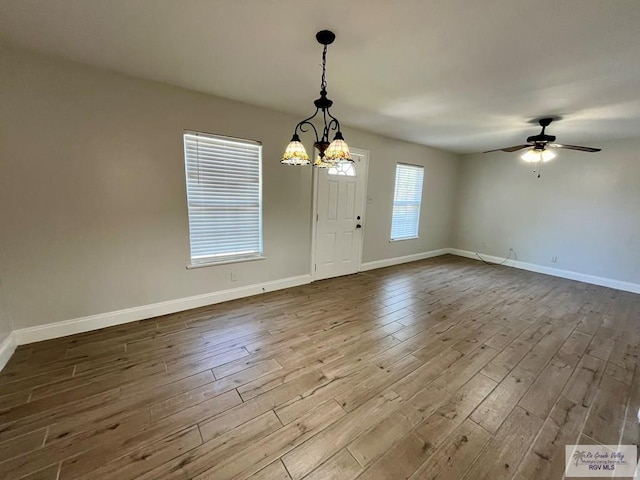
(402, 239)
(224, 262)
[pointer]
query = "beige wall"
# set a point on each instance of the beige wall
(93, 210)
(92, 194)
(6, 325)
(585, 209)
(438, 199)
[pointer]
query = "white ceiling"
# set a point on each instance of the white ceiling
(462, 75)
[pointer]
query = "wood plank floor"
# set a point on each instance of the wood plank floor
(445, 368)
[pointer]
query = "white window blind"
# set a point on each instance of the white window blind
(407, 198)
(224, 194)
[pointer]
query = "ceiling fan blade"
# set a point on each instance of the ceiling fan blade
(515, 148)
(574, 147)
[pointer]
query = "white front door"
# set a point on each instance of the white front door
(340, 201)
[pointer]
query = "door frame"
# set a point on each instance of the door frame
(314, 224)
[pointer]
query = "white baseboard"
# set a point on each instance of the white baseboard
(555, 272)
(7, 347)
(388, 262)
(109, 319)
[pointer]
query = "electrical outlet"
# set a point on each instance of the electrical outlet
(554, 259)
(234, 277)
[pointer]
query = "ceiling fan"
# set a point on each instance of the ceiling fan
(539, 145)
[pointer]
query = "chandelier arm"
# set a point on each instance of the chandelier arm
(302, 125)
(334, 124)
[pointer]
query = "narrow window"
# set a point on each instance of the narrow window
(224, 196)
(407, 198)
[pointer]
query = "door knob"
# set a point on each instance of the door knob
(358, 226)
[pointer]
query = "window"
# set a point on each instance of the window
(343, 168)
(224, 196)
(407, 197)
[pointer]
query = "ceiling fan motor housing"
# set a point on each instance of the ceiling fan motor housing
(542, 138)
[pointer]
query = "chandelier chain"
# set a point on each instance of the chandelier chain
(323, 84)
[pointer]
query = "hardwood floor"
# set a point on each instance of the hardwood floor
(445, 368)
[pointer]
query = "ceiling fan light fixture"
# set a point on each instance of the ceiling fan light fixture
(536, 155)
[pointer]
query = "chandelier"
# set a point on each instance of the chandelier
(329, 153)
